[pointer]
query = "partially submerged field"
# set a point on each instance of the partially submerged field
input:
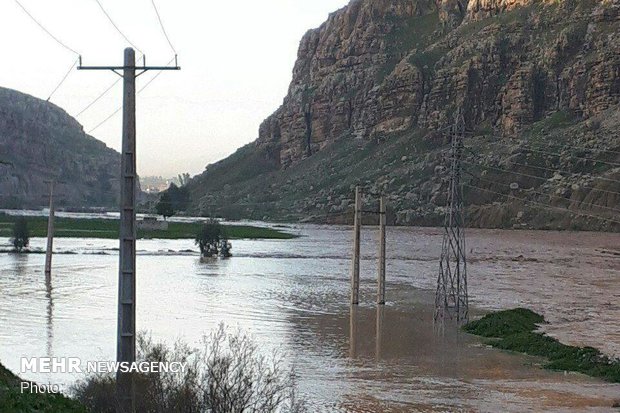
(516, 330)
(108, 228)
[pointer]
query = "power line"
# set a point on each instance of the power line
(63, 79)
(45, 30)
(528, 148)
(543, 204)
(102, 94)
(549, 145)
(120, 107)
(117, 28)
(543, 194)
(542, 178)
(161, 24)
(555, 170)
(106, 119)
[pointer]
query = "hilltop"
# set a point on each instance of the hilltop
(538, 83)
(40, 141)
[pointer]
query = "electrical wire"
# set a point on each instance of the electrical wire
(542, 178)
(117, 28)
(106, 119)
(614, 164)
(45, 30)
(543, 204)
(542, 168)
(617, 211)
(101, 95)
(138, 92)
(161, 24)
(63, 79)
(584, 148)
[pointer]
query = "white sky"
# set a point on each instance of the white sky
(236, 59)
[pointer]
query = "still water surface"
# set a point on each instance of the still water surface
(293, 295)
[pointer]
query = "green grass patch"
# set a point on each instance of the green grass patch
(515, 330)
(13, 400)
(108, 228)
(407, 34)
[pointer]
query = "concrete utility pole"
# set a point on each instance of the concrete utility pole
(381, 272)
(50, 234)
(126, 326)
(355, 270)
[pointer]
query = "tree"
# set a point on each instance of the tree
(208, 238)
(21, 235)
(179, 197)
(183, 179)
(164, 206)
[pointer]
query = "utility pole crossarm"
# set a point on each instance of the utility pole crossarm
(145, 68)
(119, 69)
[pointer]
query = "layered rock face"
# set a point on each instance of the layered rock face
(379, 67)
(38, 142)
(379, 81)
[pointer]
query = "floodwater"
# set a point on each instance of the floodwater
(293, 295)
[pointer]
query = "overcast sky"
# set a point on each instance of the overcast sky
(236, 59)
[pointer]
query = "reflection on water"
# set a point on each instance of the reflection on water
(379, 330)
(353, 331)
(50, 310)
(294, 295)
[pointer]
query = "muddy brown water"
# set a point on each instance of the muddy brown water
(293, 295)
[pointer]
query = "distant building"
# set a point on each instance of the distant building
(152, 224)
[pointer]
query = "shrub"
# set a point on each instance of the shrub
(515, 330)
(227, 374)
(212, 240)
(21, 235)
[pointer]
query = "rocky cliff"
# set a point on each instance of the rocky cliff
(38, 142)
(538, 83)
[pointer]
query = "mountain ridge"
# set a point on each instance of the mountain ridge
(39, 141)
(389, 74)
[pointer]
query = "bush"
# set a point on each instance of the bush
(503, 323)
(212, 240)
(227, 374)
(21, 235)
(164, 206)
(515, 330)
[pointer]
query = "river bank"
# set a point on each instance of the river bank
(14, 400)
(108, 229)
(516, 330)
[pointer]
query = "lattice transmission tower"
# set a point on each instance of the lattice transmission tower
(451, 300)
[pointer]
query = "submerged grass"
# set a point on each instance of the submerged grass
(515, 330)
(13, 400)
(108, 228)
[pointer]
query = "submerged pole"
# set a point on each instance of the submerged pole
(381, 272)
(50, 234)
(355, 269)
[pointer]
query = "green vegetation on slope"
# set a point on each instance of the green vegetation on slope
(515, 330)
(12, 399)
(108, 228)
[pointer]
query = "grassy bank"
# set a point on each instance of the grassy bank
(108, 228)
(12, 400)
(515, 330)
